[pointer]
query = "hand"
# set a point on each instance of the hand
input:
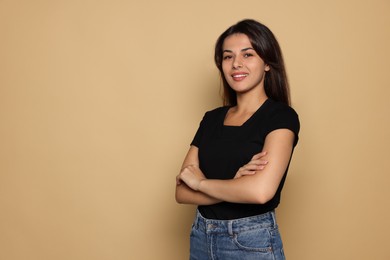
(255, 164)
(192, 176)
(178, 180)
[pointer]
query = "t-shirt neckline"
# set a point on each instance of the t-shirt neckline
(247, 121)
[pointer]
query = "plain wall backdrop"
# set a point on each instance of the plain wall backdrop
(99, 101)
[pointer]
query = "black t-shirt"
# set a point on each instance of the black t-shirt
(224, 149)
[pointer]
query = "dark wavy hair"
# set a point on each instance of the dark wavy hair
(267, 47)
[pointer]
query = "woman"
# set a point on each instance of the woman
(238, 160)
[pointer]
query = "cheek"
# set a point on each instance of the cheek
(225, 69)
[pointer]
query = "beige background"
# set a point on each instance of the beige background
(99, 101)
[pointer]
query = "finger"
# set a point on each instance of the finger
(192, 166)
(259, 162)
(259, 155)
(248, 167)
(252, 167)
(247, 173)
(189, 166)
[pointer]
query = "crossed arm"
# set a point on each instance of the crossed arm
(253, 182)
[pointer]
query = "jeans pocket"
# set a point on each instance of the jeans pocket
(258, 240)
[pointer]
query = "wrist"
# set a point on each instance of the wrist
(200, 184)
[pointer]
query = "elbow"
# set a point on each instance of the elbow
(178, 198)
(263, 197)
(179, 201)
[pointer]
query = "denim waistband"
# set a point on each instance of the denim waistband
(266, 220)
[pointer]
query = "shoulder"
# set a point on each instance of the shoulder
(217, 110)
(215, 113)
(281, 115)
(276, 108)
(282, 111)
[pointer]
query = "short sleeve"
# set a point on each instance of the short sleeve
(199, 133)
(284, 117)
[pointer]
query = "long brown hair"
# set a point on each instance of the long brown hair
(267, 47)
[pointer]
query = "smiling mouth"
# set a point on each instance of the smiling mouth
(240, 76)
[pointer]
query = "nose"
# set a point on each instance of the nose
(237, 63)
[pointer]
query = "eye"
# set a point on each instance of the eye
(227, 57)
(247, 55)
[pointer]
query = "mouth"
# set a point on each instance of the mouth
(239, 76)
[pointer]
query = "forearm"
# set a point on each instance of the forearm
(247, 189)
(186, 195)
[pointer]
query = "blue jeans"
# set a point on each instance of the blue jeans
(248, 238)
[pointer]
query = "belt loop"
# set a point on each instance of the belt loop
(196, 221)
(230, 227)
(274, 217)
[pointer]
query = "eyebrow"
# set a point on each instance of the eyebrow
(245, 49)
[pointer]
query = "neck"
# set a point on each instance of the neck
(250, 102)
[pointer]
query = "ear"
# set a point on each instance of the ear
(267, 67)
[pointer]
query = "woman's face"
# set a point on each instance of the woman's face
(242, 67)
